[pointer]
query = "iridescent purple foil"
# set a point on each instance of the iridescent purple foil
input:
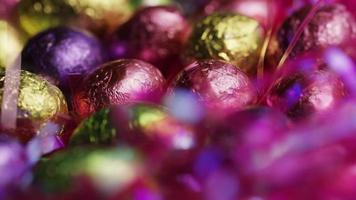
(61, 53)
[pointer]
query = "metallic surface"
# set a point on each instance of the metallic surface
(218, 84)
(230, 37)
(119, 82)
(331, 25)
(300, 95)
(38, 102)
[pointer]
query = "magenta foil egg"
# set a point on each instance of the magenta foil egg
(218, 84)
(118, 82)
(302, 94)
(154, 34)
(331, 25)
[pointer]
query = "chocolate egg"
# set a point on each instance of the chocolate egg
(10, 44)
(98, 16)
(331, 25)
(218, 84)
(154, 34)
(61, 53)
(230, 37)
(302, 94)
(38, 102)
(117, 82)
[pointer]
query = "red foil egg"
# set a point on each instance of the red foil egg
(218, 84)
(118, 82)
(331, 25)
(154, 34)
(302, 94)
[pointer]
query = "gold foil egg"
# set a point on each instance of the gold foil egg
(10, 44)
(38, 102)
(96, 15)
(231, 37)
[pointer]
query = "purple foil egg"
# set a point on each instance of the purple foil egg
(119, 82)
(218, 84)
(331, 25)
(154, 34)
(62, 54)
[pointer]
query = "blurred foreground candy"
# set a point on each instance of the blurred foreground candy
(147, 126)
(154, 34)
(98, 16)
(331, 25)
(218, 84)
(61, 53)
(118, 82)
(231, 37)
(38, 102)
(14, 166)
(104, 170)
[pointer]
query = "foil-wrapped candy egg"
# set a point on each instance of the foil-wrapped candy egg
(302, 94)
(231, 37)
(331, 25)
(99, 16)
(118, 82)
(61, 53)
(153, 34)
(218, 84)
(38, 102)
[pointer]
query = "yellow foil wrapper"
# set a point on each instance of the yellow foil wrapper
(230, 37)
(10, 44)
(38, 102)
(96, 15)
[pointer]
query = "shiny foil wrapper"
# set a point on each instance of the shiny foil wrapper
(98, 16)
(38, 102)
(331, 25)
(230, 37)
(118, 82)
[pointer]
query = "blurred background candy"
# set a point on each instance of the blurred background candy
(153, 34)
(10, 43)
(38, 102)
(231, 37)
(118, 82)
(100, 17)
(218, 84)
(7, 8)
(62, 55)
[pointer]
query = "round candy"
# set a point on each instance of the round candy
(154, 34)
(301, 94)
(10, 44)
(38, 102)
(144, 125)
(331, 25)
(106, 170)
(230, 37)
(118, 82)
(218, 84)
(99, 16)
(61, 53)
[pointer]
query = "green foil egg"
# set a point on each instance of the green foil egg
(231, 37)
